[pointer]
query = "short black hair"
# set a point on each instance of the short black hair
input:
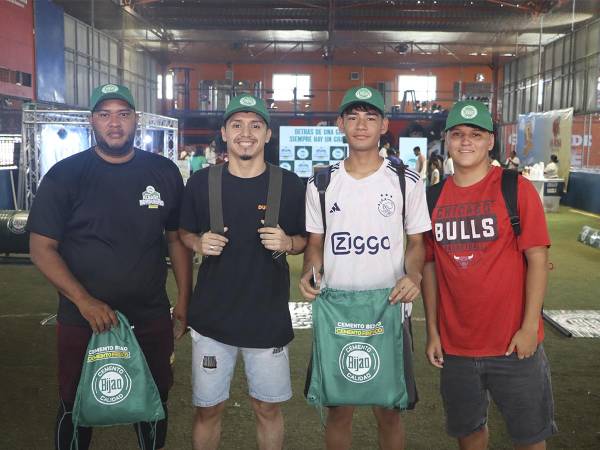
(362, 107)
(417, 148)
(554, 158)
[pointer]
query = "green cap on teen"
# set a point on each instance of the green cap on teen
(247, 103)
(470, 112)
(111, 92)
(366, 95)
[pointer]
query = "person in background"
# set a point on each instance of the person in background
(421, 166)
(513, 161)
(448, 166)
(198, 160)
(435, 170)
(392, 155)
(384, 150)
(551, 170)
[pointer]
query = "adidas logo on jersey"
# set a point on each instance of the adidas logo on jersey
(334, 208)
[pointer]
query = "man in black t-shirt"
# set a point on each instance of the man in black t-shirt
(240, 302)
(97, 232)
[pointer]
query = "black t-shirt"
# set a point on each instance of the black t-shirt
(241, 297)
(109, 220)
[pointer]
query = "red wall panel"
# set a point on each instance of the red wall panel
(17, 44)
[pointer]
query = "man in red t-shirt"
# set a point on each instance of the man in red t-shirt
(483, 290)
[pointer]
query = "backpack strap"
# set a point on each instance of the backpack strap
(433, 195)
(215, 198)
(322, 179)
(400, 169)
(273, 195)
(510, 180)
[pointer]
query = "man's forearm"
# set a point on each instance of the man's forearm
(298, 244)
(414, 257)
(535, 285)
(430, 298)
(313, 253)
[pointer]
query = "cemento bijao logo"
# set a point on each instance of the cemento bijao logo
(111, 384)
(363, 94)
(151, 198)
(359, 362)
(110, 88)
(247, 101)
(468, 112)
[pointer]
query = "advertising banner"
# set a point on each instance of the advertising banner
(301, 148)
(540, 135)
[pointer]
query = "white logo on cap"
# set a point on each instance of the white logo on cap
(468, 112)
(363, 94)
(110, 88)
(247, 101)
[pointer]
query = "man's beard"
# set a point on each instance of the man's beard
(246, 157)
(112, 150)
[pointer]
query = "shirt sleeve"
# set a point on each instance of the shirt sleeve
(297, 194)
(534, 230)
(314, 221)
(429, 253)
(51, 207)
(417, 214)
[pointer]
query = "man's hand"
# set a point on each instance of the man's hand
(407, 289)
(99, 315)
(308, 291)
(275, 239)
(433, 351)
(210, 244)
(524, 342)
(179, 320)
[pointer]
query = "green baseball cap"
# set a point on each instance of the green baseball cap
(366, 95)
(247, 103)
(470, 112)
(111, 92)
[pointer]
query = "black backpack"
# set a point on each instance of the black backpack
(323, 177)
(509, 192)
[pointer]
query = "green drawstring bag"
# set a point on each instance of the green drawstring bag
(361, 351)
(116, 386)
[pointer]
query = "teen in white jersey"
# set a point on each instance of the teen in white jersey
(364, 243)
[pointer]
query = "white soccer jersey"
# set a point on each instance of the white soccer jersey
(364, 245)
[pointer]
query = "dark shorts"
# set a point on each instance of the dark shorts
(156, 341)
(521, 389)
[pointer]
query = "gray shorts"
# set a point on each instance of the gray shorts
(213, 363)
(521, 390)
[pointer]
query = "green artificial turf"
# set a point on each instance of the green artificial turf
(29, 387)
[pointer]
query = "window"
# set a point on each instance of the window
(424, 86)
(284, 84)
(169, 90)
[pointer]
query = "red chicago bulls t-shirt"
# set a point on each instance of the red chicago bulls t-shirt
(480, 265)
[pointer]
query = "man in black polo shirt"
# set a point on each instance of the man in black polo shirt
(97, 230)
(240, 302)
